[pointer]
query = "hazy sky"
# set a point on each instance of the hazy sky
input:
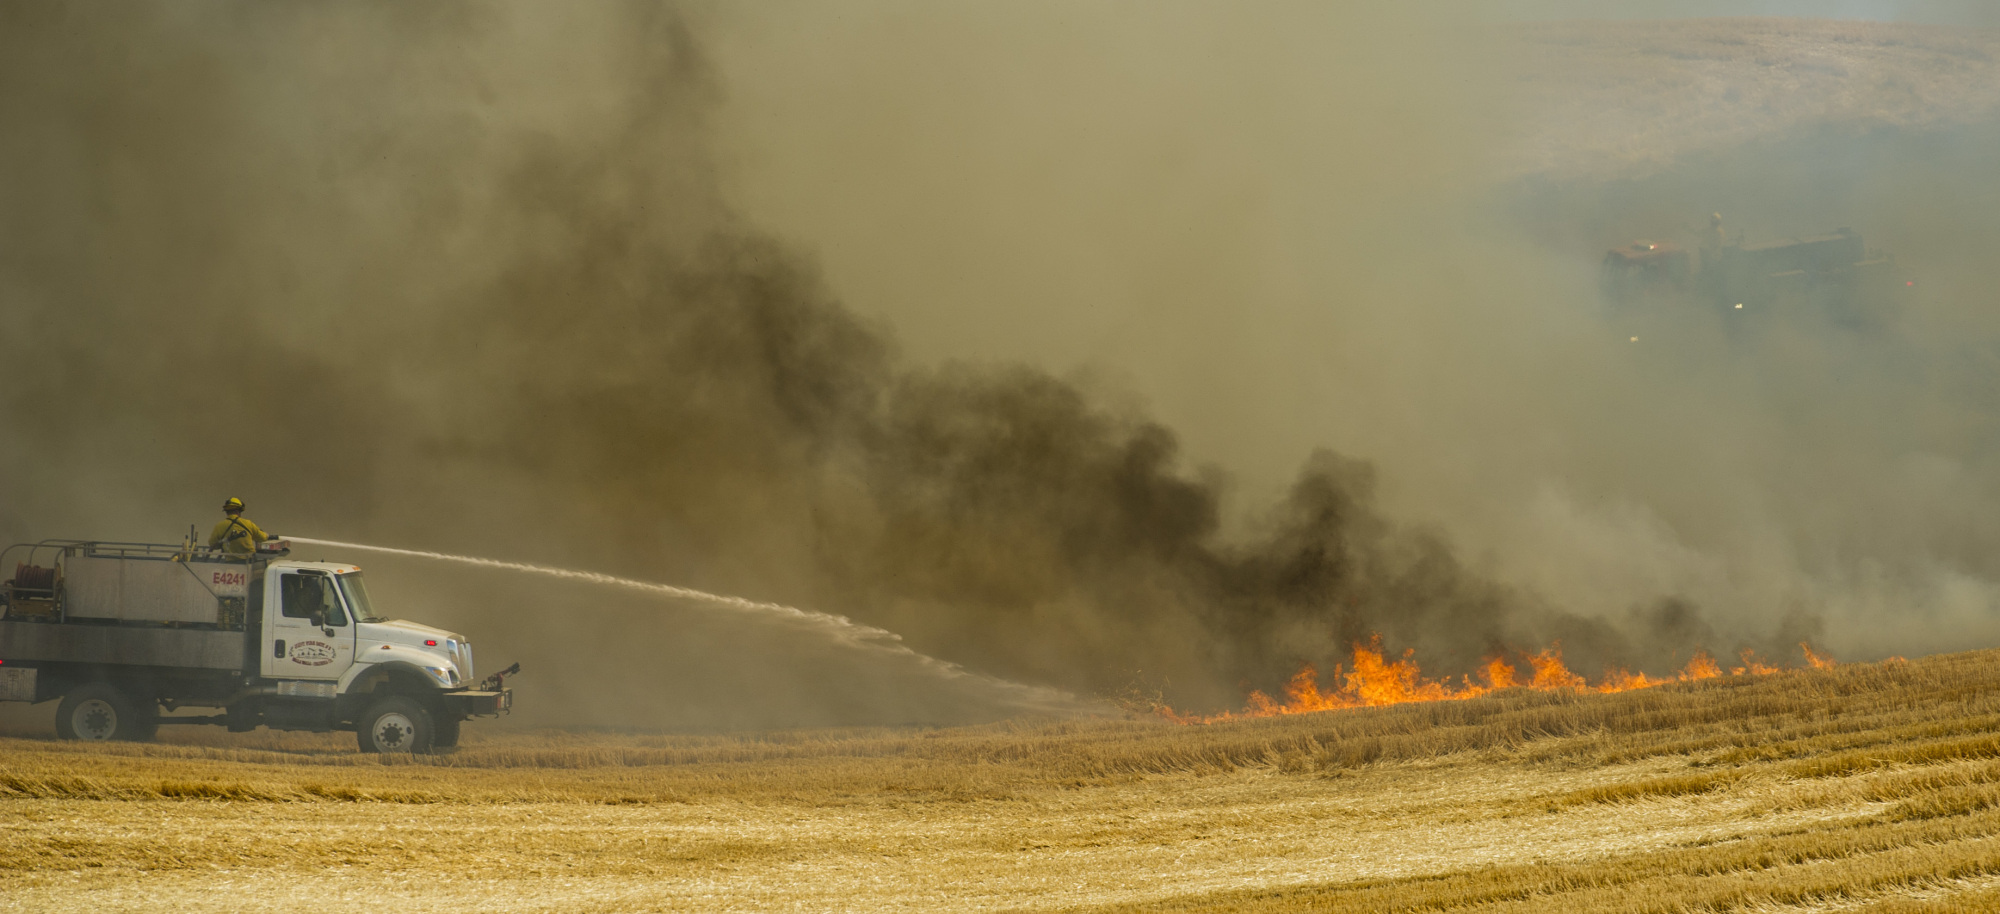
(1939, 12)
(1270, 227)
(1017, 329)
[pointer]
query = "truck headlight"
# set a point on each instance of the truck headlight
(443, 674)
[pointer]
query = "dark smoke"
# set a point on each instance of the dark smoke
(465, 278)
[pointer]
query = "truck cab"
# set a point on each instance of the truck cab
(118, 631)
(326, 638)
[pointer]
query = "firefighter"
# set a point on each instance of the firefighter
(236, 533)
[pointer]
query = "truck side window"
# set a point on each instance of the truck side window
(334, 616)
(305, 596)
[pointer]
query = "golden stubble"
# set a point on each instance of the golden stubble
(1855, 785)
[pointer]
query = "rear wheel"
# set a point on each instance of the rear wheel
(101, 711)
(146, 726)
(395, 724)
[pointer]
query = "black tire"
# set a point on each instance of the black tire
(147, 727)
(445, 732)
(101, 711)
(395, 724)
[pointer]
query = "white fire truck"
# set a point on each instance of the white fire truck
(120, 631)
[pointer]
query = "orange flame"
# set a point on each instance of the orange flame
(1700, 666)
(1751, 665)
(1550, 674)
(1377, 681)
(1622, 681)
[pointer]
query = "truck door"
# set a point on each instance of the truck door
(297, 639)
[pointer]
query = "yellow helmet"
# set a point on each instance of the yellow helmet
(234, 504)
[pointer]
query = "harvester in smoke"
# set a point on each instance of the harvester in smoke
(1834, 276)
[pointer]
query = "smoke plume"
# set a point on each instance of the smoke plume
(780, 307)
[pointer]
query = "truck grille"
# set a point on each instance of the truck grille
(463, 654)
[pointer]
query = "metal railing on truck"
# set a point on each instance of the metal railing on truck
(38, 592)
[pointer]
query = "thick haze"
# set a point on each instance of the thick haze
(1277, 263)
(1018, 330)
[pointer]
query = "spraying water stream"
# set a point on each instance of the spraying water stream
(838, 629)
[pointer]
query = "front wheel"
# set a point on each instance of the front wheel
(395, 724)
(446, 734)
(100, 711)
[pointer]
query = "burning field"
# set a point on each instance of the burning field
(1031, 456)
(966, 376)
(1866, 787)
(1377, 681)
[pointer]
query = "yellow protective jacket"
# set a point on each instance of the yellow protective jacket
(236, 534)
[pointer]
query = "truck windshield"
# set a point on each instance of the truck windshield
(357, 598)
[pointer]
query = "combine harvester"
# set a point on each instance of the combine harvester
(1833, 277)
(119, 631)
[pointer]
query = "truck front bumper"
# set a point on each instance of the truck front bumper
(481, 704)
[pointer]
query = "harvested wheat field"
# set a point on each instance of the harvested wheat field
(1863, 787)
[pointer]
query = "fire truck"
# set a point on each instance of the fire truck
(120, 632)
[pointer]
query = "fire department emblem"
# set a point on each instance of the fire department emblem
(311, 653)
